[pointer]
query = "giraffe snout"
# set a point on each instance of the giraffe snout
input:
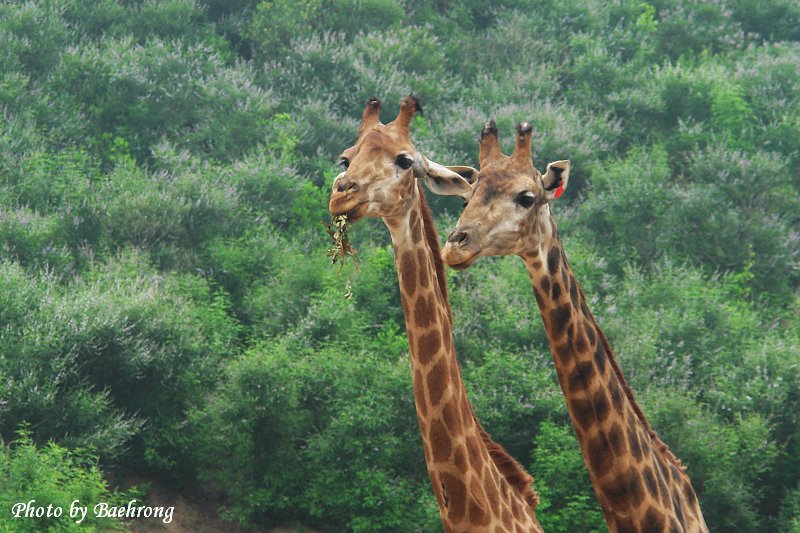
(459, 250)
(346, 185)
(457, 237)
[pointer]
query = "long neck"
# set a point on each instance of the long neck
(472, 491)
(631, 469)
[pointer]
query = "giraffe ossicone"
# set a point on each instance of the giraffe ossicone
(640, 484)
(477, 485)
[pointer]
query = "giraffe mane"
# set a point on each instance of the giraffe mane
(432, 238)
(508, 467)
(660, 445)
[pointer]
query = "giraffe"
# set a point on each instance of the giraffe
(641, 485)
(478, 486)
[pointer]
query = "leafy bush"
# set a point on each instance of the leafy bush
(726, 462)
(512, 395)
(164, 167)
(184, 92)
(791, 512)
(482, 320)
(568, 502)
(34, 240)
(389, 64)
(688, 28)
(625, 211)
(53, 475)
(285, 415)
(120, 356)
(32, 37)
(773, 20)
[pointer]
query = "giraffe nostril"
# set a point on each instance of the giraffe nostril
(347, 186)
(457, 237)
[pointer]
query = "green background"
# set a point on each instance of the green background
(167, 309)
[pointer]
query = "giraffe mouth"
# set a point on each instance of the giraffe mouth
(463, 265)
(460, 265)
(352, 214)
(457, 257)
(356, 213)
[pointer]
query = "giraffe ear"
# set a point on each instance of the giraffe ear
(468, 173)
(447, 181)
(555, 179)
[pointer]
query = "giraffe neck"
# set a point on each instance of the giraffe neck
(637, 479)
(473, 479)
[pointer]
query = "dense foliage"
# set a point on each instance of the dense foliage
(166, 304)
(57, 477)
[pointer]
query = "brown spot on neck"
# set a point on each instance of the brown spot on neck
(560, 314)
(428, 303)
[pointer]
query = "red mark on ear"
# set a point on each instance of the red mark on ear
(559, 191)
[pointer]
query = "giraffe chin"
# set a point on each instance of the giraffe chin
(463, 265)
(353, 214)
(356, 213)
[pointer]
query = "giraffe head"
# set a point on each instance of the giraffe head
(381, 170)
(507, 205)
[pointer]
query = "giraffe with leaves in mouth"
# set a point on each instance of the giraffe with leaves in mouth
(478, 486)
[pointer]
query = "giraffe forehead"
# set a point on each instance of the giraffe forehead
(496, 183)
(376, 147)
(384, 138)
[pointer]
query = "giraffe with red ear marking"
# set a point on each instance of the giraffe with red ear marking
(478, 486)
(641, 485)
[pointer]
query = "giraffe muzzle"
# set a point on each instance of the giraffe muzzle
(457, 253)
(457, 237)
(347, 186)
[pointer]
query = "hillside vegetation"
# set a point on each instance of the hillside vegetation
(167, 307)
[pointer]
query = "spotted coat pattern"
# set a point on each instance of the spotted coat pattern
(478, 486)
(640, 484)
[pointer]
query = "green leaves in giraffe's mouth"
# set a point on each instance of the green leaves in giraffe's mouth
(341, 248)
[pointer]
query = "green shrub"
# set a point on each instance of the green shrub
(625, 210)
(726, 461)
(184, 92)
(120, 356)
(512, 394)
(286, 415)
(483, 321)
(790, 513)
(163, 214)
(773, 20)
(568, 502)
(687, 28)
(53, 475)
(343, 74)
(34, 240)
(659, 327)
(277, 24)
(94, 17)
(32, 36)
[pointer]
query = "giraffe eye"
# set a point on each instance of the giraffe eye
(344, 163)
(525, 199)
(404, 162)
